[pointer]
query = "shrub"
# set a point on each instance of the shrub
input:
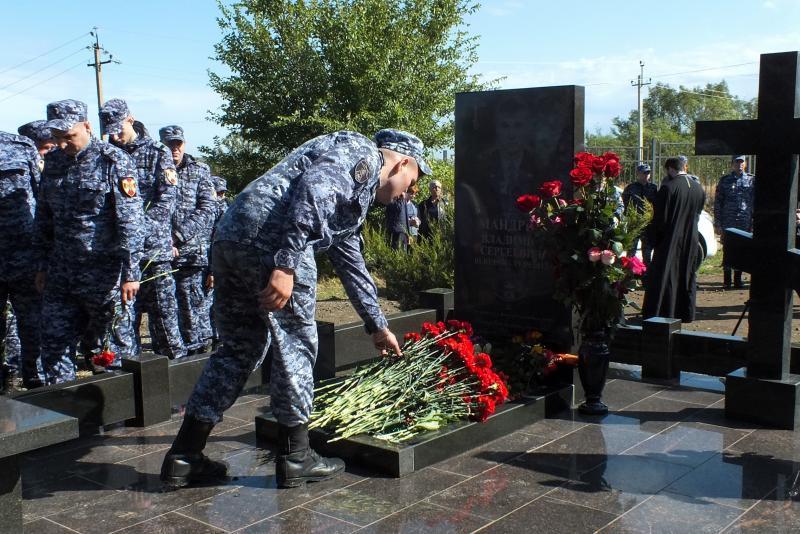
(429, 263)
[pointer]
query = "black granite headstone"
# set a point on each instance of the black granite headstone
(507, 144)
(766, 392)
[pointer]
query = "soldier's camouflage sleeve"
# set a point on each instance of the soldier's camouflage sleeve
(313, 202)
(42, 239)
(199, 221)
(160, 209)
(36, 172)
(129, 217)
(349, 264)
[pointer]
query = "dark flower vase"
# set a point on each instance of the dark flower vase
(593, 358)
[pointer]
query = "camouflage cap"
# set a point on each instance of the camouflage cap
(64, 114)
(171, 133)
(220, 184)
(37, 131)
(404, 143)
(113, 114)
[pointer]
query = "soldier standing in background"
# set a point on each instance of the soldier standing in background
(636, 194)
(220, 190)
(733, 208)
(88, 239)
(20, 166)
(191, 231)
(158, 181)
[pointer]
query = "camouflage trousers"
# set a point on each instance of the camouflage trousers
(27, 304)
(246, 333)
(157, 299)
(191, 296)
(9, 342)
(82, 304)
(207, 316)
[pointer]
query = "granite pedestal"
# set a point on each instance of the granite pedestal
(23, 428)
(398, 460)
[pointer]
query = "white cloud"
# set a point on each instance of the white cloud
(608, 78)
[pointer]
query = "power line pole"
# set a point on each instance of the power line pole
(639, 83)
(98, 74)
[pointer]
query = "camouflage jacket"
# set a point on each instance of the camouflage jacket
(733, 202)
(158, 182)
(317, 197)
(194, 213)
(19, 175)
(89, 210)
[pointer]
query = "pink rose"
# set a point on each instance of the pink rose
(634, 265)
(556, 220)
(594, 254)
(562, 202)
(607, 257)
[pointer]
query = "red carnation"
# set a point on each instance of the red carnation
(431, 329)
(104, 359)
(412, 336)
(550, 189)
(528, 202)
(581, 176)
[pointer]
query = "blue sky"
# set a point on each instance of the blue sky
(165, 50)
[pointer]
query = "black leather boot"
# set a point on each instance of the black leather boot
(185, 462)
(297, 463)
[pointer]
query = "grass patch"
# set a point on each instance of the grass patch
(712, 264)
(329, 287)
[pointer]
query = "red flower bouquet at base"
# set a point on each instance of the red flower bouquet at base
(440, 378)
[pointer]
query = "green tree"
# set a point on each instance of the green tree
(301, 68)
(670, 114)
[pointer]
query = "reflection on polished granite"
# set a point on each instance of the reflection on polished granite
(664, 460)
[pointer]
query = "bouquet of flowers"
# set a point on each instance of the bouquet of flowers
(586, 237)
(531, 361)
(440, 378)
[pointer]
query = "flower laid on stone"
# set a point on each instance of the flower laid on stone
(104, 359)
(585, 238)
(440, 378)
(530, 364)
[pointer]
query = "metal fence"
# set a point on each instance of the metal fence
(708, 168)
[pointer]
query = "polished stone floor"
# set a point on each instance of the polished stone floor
(664, 460)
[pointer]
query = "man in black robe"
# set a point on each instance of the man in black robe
(670, 287)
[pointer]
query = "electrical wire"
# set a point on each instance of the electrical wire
(34, 73)
(44, 53)
(75, 66)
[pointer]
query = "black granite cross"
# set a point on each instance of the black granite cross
(768, 254)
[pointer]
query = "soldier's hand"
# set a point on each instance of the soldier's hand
(210, 282)
(40, 281)
(175, 252)
(129, 290)
(386, 342)
(278, 290)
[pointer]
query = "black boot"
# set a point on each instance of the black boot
(185, 462)
(298, 463)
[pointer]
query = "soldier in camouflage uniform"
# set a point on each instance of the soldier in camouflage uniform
(41, 136)
(158, 181)
(191, 230)
(88, 237)
(220, 190)
(19, 174)
(733, 208)
(314, 200)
